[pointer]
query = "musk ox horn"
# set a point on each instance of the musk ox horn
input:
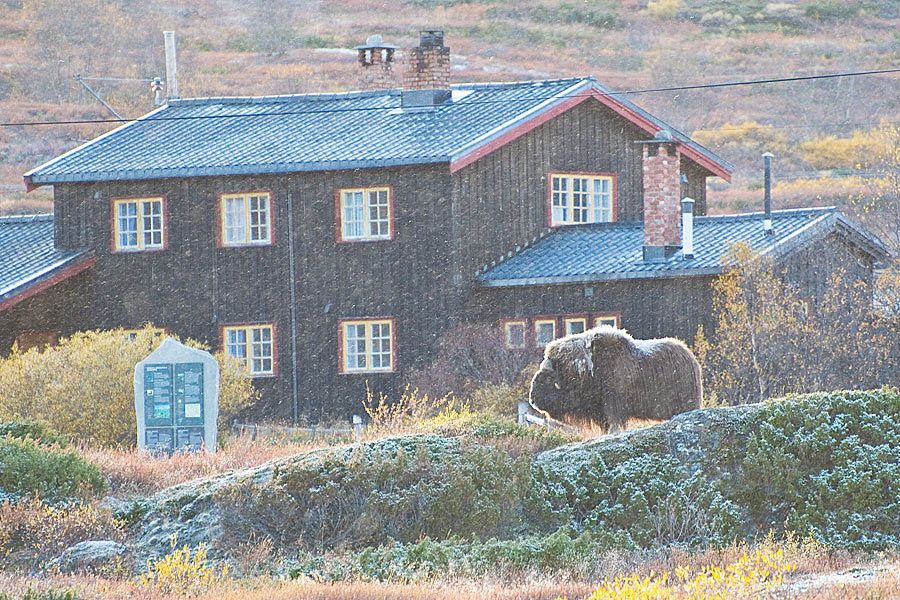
(546, 365)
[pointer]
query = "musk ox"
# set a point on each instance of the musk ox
(605, 376)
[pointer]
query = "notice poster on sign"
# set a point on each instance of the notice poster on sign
(176, 394)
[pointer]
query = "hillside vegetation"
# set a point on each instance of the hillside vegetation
(282, 46)
(728, 501)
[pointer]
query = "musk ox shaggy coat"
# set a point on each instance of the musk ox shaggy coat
(606, 376)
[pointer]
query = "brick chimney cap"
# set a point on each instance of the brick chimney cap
(431, 37)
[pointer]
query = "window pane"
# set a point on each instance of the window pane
(234, 220)
(259, 218)
(580, 200)
(515, 335)
(127, 223)
(381, 345)
(545, 333)
(236, 343)
(151, 223)
(379, 221)
(574, 326)
(560, 200)
(353, 215)
(602, 200)
(261, 350)
(355, 346)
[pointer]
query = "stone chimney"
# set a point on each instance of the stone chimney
(662, 197)
(377, 61)
(427, 79)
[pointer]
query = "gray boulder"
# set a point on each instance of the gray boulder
(89, 555)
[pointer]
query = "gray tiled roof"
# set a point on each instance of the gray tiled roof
(233, 136)
(585, 253)
(27, 254)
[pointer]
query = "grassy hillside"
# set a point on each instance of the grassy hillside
(227, 47)
(729, 500)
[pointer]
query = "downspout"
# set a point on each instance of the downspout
(296, 400)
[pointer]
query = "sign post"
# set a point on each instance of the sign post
(176, 399)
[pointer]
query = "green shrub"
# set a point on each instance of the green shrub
(643, 501)
(826, 466)
(53, 474)
(84, 387)
(561, 551)
(36, 431)
(400, 488)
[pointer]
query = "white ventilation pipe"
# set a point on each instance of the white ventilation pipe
(687, 228)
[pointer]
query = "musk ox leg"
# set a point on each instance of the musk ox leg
(615, 415)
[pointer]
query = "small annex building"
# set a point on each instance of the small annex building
(330, 240)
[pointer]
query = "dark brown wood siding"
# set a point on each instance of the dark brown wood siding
(193, 288)
(648, 308)
(500, 200)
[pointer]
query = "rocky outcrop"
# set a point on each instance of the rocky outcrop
(87, 556)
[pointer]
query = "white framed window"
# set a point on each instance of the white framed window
(138, 224)
(246, 219)
(514, 333)
(544, 331)
(608, 319)
(581, 199)
(253, 344)
(575, 325)
(365, 214)
(367, 346)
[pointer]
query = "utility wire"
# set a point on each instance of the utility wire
(473, 103)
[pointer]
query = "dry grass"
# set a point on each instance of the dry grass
(130, 472)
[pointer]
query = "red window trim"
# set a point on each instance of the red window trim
(535, 319)
(112, 223)
(220, 225)
(392, 220)
(526, 330)
(585, 316)
(615, 194)
(274, 326)
(616, 314)
(340, 343)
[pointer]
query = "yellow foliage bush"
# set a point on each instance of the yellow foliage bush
(752, 575)
(748, 136)
(84, 386)
(182, 571)
(864, 148)
(662, 9)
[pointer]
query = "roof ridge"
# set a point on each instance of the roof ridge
(351, 94)
(785, 212)
(476, 85)
(276, 98)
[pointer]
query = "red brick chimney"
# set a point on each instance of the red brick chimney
(662, 197)
(377, 61)
(427, 79)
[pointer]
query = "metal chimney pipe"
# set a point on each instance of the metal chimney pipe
(767, 221)
(171, 66)
(687, 228)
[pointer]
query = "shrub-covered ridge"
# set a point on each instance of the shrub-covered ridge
(825, 466)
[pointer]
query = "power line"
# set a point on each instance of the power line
(473, 103)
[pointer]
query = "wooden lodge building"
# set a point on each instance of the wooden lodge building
(331, 239)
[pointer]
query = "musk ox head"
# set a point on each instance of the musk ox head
(545, 388)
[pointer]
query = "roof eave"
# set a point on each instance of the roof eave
(599, 277)
(32, 177)
(60, 272)
(264, 169)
